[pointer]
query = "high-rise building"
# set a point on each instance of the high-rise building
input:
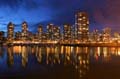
(56, 33)
(40, 32)
(10, 57)
(44, 37)
(67, 31)
(106, 34)
(10, 32)
(50, 31)
(24, 31)
(95, 36)
(82, 26)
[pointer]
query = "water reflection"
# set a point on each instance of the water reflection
(1, 52)
(78, 57)
(104, 54)
(10, 58)
(24, 54)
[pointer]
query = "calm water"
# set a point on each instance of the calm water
(60, 62)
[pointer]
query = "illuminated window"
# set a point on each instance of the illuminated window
(80, 14)
(84, 24)
(80, 19)
(87, 22)
(84, 17)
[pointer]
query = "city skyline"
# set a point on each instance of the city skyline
(80, 30)
(69, 34)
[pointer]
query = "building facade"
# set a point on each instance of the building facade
(50, 31)
(40, 33)
(24, 33)
(10, 32)
(56, 33)
(82, 26)
(67, 32)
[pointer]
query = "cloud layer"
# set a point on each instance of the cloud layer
(102, 13)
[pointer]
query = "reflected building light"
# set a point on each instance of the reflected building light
(68, 58)
(68, 50)
(79, 57)
(57, 53)
(79, 50)
(10, 58)
(80, 62)
(82, 66)
(106, 55)
(48, 49)
(52, 50)
(17, 49)
(91, 51)
(84, 61)
(54, 61)
(105, 52)
(39, 54)
(36, 49)
(1, 51)
(76, 66)
(118, 51)
(33, 49)
(72, 49)
(56, 50)
(47, 54)
(96, 56)
(98, 51)
(62, 49)
(85, 49)
(113, 50)
(24, 56)
(44, 50)
(87, 61)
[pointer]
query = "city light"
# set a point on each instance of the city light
(77, 34)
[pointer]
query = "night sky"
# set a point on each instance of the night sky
(102, 13)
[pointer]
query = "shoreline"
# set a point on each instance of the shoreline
(64, 44)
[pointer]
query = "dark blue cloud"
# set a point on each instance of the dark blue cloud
(102, 13)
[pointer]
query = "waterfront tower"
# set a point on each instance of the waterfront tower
(50, 31)
(56, 33)
(10, 32)
(82, 26)
(24, 31)
(106, 34)
(67, 31)
(40, 32)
